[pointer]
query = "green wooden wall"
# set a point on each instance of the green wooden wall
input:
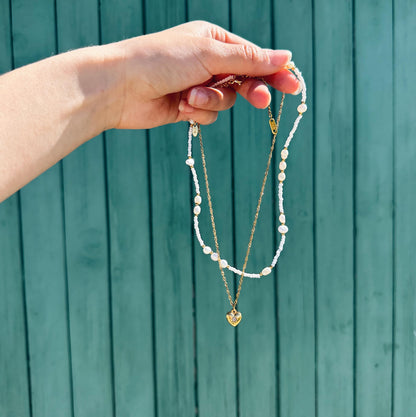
(108, 307)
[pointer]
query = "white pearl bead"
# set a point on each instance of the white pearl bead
(214, 256)
(282, 218)
(284, 154)
(198, 199)
(223, 263)
(266, 271)
(207, 250)
(197, 210)
(190, 162)
(302, 108)
(283, 228)
(282, 165)
(281, 176)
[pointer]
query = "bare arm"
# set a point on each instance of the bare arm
(53, 106)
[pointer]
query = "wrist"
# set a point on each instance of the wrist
(100, 76)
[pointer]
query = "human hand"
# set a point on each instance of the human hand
(159, 73)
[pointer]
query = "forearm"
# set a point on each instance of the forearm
(49, 108)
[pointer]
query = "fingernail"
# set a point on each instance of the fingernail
(298, 90)
(198, 97)
(281, 57)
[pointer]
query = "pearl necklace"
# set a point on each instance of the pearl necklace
(234, 317)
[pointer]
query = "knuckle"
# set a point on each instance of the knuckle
(250, 52)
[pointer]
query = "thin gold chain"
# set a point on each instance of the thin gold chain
(274, 125)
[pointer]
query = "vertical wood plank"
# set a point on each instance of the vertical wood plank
(215, 338)
(131, 275)
(86, 241)
(172, 260)
(373, 202)
(296, 301)
(252, 138)
(334, 206)
(14, 383)
(43, 240)
(405, 240)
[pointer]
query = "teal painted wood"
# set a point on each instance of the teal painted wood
(334, 257)
(373, 207)
(404, 377)
(131, 275)
(71, 371)
(172, 242)
(257, 354)
(295, 269)
(43, 241)
(86, 242)
(215, 342)
(14, 382)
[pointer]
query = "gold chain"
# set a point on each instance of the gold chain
(274, 126)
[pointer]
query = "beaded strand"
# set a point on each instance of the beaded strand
(282, 229)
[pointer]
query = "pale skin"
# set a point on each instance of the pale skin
(51, 107)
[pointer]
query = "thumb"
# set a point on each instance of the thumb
(244, 59)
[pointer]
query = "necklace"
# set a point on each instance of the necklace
(234, 316)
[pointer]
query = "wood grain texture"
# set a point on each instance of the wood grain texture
(404, 377)
(144, 332)
(14, 381)
(215, 341)
(172, 255)
(43, 241)
(86, 241)
(373, 207)
(334, 222)
(257, 354)
(129, 218)
(296, 300)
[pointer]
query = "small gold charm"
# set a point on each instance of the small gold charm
(273, 126)
(234, 317)
(195, 130)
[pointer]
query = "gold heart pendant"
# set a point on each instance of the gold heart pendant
(234, 317)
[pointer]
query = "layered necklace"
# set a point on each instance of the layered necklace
(234, 316)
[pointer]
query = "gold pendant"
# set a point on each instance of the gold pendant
(234, 317)
(195, 130)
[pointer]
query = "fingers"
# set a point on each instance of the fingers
(242, 59)
(284, 81)
(211, 98)
(187, 112)
(255, 92)
(203, 104)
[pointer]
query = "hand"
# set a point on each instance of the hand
(160, 72)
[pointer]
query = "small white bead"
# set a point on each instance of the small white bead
(281, 176)
(282, 218)
(282, 165)
(214, 256)
(284, 154)
(207, 250)
(198, 199)
(223, 263)
(197, 210)
(190, 162)
(302, 108)
(283, 229)
(266, 271)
